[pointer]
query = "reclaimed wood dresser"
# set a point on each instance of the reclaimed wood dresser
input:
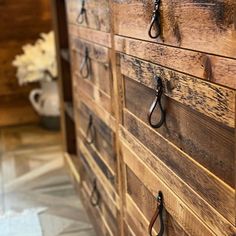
(153, 86)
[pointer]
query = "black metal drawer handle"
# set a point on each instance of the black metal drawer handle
(157, 213)
(156, 21)
(157, 102)
(85, 65)
(90, 133)
(95, 195)
(82, 14)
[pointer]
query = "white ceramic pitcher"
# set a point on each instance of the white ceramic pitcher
(46, 100)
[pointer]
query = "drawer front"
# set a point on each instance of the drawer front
(96, 15)
(98, 83)
(185, 210)
(198, 25)
(100, 201)
(190, 138)
(99, 141)
(209, 67)
(104, 140)
(138, 197)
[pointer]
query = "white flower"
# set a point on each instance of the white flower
(38, 61)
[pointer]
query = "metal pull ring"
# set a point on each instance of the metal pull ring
(90, 134)
(157, 213)
(85, 65)
(95, 195)
(82, 15)
(156, 21)
(157, 102)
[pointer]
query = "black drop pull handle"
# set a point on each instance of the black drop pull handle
(158, 212)
(81, 18)
(157, 103)
(90, 133)
(155, 22)
(95, 195)
(85, 65)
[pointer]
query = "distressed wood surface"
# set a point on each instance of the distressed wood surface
(146, 203)
(98, 220)
(104, 138)
(99, 160)
(208, 26)
(94, 93)
(208, 67)
(107, 117)
(97, 14)
(172, 203)
(106, 205)
(93, 36)
(100, 73)
(108, 187)
(206, 141)
(95, 52)
(212, 100)
(198, 178)
(193, 213)
(127, 230)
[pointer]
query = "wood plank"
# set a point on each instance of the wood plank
(100, 74)
(97, 14)
(207, 26)
(95, 51)
(89, 175)
(97, 109)
(205, 140)
(99, 222)
(140, 223)
(220, 196)
(208, 67)
(90, 35)
(191, 212)
(198, 203)
(99, 97)
(212, 100)
(99, 174)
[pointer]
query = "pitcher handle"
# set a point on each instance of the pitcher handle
(35, 102)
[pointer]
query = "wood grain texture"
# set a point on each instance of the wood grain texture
(206, 141)
(100, 74)
(198, 178)
(207, 26)
(146, 203)
(94, 93)
(98, 220)
(212, 100)
(107, 117)
(191, 212)
(208, 67)
(104, 141)
(90, 35)
(101, 171)
(97, 14)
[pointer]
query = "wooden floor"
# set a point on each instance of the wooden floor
(32, 176)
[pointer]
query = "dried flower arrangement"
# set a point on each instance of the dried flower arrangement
(38, 62)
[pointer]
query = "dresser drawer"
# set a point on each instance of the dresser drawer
(92, 73)
(185, 208)
(198, 25)
(190, 138)
(95, 16)
(104, 138)
(98, 198)
(173, 145)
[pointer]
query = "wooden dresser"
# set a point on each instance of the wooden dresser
(153, 86)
